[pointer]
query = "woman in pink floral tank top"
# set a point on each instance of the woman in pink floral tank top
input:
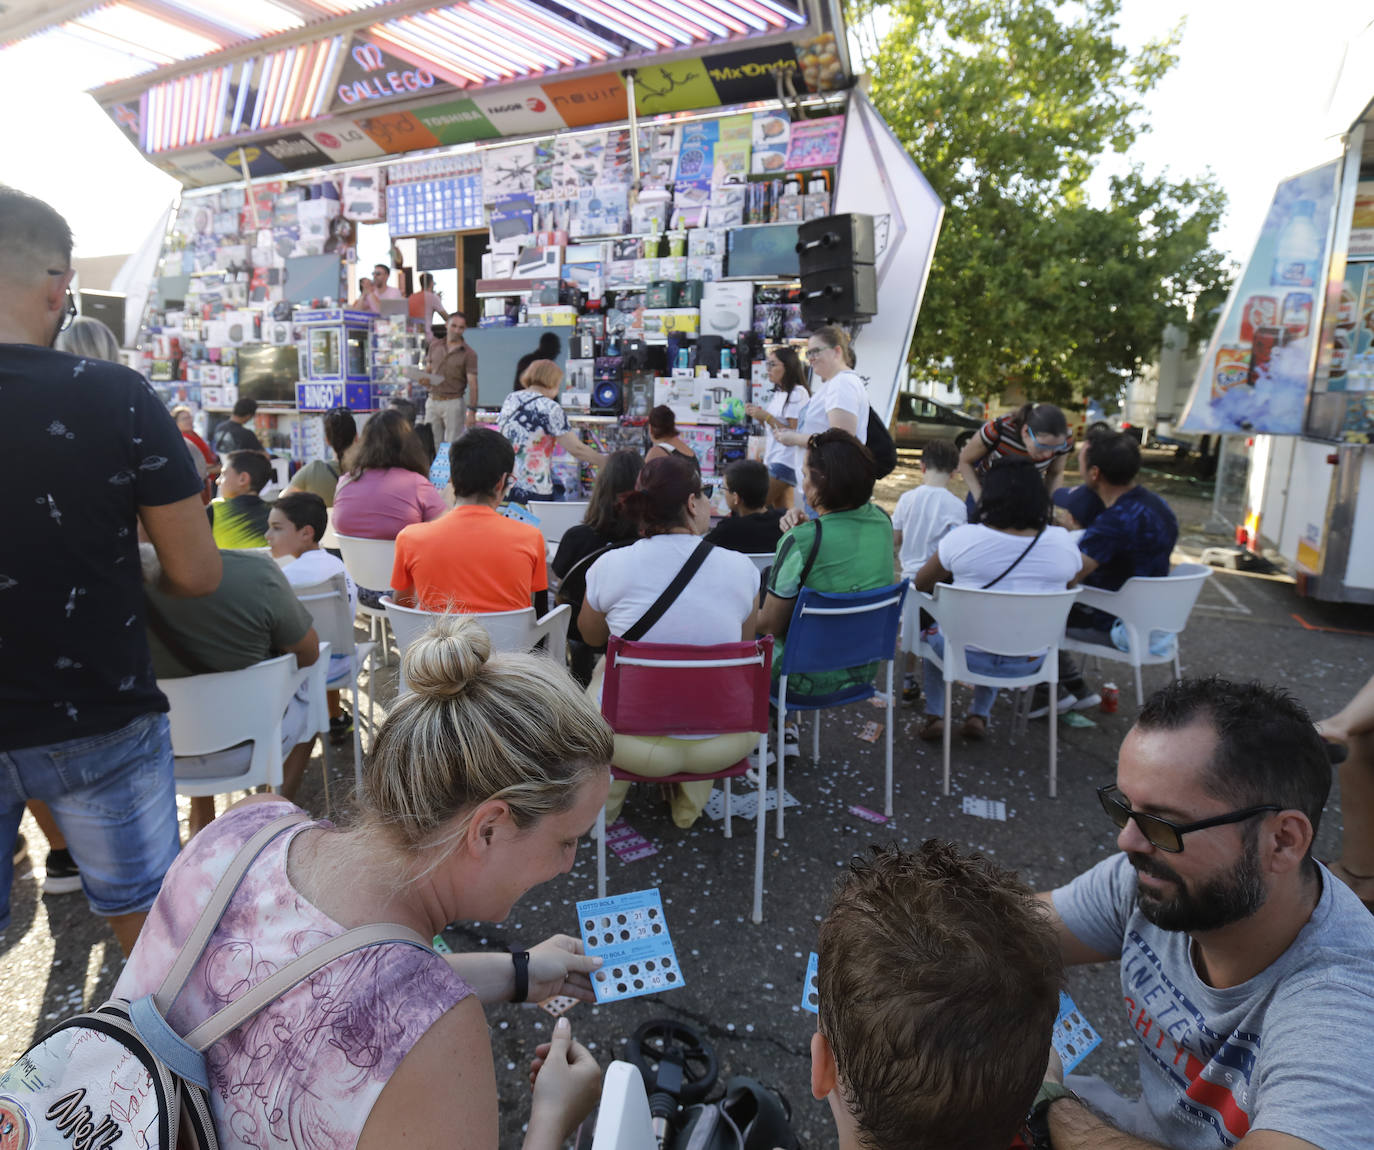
(456, 822)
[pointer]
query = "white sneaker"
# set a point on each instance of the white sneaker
(1040, 704)
(1086, 702)
(791, 742)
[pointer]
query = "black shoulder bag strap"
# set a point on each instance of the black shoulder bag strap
(811, 556)
(670, 593)
(1016, 561)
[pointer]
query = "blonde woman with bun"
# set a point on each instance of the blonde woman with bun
(482, 781)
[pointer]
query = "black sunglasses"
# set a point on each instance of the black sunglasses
(1162, 833)
(70, 311)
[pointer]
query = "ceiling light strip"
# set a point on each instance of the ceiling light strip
(460, 46)
(619, 20)
(401, 42)
(552, 22)
(574, 46)
(509, 60)
(241, 99)
(548, 56)
(645, 13)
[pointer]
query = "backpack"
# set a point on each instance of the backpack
(121, 1069)
(880, 443)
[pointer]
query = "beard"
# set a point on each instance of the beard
(1219, 901)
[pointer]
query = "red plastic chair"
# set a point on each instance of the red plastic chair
(673, 689)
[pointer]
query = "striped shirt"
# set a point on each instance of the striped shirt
(1002, 438)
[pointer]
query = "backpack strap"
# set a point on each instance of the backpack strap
(283, 979)
(196, 941)
(670, 593)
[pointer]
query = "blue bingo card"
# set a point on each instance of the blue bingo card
(629, 933)
(1074, 1038)
(811, 994)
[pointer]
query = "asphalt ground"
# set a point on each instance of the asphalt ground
(742, 984)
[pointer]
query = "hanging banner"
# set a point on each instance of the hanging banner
(1255, 376)
(370, 75)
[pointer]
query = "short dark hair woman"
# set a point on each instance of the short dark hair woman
(671, 512)
(847, 547)
(1010, 548)
(604, 525)
(666, 440)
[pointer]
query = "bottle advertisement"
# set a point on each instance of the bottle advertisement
(1256, 373)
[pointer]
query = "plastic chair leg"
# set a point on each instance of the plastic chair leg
(816, 739)
(1053, 718)
(1139, 688)
(727, 808)
(949, 725)
(887, 810)
(782, 747)
(601, 853)
(760, 818)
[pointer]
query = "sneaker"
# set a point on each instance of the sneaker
(1040, 701)
(791, 742)
(340, 729)
(21, 847)
(911, 690)
(1087, 702)
(754, 763)
(63, 876)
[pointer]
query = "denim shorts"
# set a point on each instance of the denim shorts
(114, 798)
(783, 474)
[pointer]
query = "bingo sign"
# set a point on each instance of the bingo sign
(370, 75)
(319, 396)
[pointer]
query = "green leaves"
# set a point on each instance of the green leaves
(1007, 106)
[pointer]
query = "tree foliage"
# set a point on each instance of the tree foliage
(1007, 106)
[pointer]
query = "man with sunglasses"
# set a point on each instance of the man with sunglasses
(90, 454)
(1247, 971)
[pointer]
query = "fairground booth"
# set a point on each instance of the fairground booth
(672, 186)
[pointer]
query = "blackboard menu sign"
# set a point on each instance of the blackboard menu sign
(435, 253)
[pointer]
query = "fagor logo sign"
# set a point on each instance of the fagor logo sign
(535, 104)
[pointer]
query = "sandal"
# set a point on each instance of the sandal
(975, 728)
(932, 729)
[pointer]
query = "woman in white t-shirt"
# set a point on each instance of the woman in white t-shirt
(782, 413)
(840, 399)
(1013, 547)
(718, 605)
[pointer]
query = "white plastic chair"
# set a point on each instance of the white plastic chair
(760, 559)
(555, 519)
(204, 723)
(1160, 603)
(509, 630)
(370, 563)
(1008, 623)
(623, 1121)
(327, 603)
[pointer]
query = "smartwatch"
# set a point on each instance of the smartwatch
(521, 959)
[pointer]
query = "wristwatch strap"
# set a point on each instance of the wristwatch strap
(521, 959)
(1037, 1121)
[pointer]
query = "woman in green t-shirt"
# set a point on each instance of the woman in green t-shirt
(847, 547)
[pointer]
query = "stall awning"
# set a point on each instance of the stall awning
(208, 77)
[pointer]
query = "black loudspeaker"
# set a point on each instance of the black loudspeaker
(608, 398)
(709, 348)
(841, 295)
(834, 242)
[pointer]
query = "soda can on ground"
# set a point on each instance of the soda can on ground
(1111, 698)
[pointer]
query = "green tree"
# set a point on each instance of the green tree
(1007, 105)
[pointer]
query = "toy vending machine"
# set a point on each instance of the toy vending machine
(336, 360)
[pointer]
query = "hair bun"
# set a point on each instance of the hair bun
(445, 659)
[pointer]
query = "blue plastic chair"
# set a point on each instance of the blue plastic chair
(831, 631)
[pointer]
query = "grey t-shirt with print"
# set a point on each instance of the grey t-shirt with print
(1285, 1051)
